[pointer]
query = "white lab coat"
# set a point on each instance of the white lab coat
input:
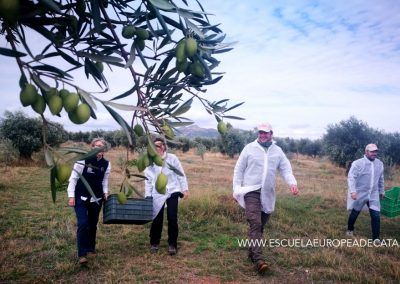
(175, 183)
(366, 179)
(256, 169)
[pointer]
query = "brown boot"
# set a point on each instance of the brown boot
(261, 266)
(83, 260)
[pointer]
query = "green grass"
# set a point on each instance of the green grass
(37, 240)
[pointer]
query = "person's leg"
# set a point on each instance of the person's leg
(352, 219)
(172, 215)
(375, 223)
(156, 228)
(82, 226)
(253, 215)
(264, 220)
(93, 219)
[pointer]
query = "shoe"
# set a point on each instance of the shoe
(262, 267)
(154, 248)
(91, 254)
(349, 233)
(83, 260)
(172, 250)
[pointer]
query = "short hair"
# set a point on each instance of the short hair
(99, 139)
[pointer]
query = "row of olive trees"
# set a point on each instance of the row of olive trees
(342, 143)
(231, 143)
(115, 138)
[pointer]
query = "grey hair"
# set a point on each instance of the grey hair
(102, 140)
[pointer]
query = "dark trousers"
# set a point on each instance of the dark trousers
(375, 221)
(172, 216)
(87, 214)
(257, 220)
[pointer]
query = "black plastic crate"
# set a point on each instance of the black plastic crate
(135, 211)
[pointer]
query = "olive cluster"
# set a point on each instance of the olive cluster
(55, 99)
(186, 61)
(139, 35)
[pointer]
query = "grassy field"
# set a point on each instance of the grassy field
(37, 237)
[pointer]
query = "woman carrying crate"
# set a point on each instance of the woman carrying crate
(95, 171)
(177, 187)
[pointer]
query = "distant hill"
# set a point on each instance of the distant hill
(193, 131)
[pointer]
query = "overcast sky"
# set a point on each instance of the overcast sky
(300, 65)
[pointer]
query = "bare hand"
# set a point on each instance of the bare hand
(294, 189)
(185, 195)
(71, 201)
(106, 196)
(354, 195)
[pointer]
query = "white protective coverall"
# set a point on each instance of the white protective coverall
(366, 179)
(175, 183)
(256, 169)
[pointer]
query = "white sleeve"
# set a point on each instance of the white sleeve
(148, 182)
(105, 179)
(285, 169)
(182, 179)
(73, 179)
(240, 167)
(352, 177)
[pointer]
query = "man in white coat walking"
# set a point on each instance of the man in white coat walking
(254, 186)
(366, 186)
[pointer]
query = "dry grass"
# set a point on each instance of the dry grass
(37, 237)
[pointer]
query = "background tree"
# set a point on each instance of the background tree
(233, 142)
(8, 153)
(120, 138)
(26, 133)
(393, 147)
(183, 144)
(344, 142)
(201, 150)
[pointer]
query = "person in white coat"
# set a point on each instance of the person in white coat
(254, 186)
(365, 188)
(177, 187)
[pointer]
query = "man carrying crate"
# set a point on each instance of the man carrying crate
(365, 187)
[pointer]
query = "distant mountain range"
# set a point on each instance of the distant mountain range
(193, 131)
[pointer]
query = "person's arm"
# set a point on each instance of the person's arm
(381, 184)
(182, 179)
(148, 182)
(105, 181)
(240, 168)
(73, 179)
(285, 170)
(351, 179)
